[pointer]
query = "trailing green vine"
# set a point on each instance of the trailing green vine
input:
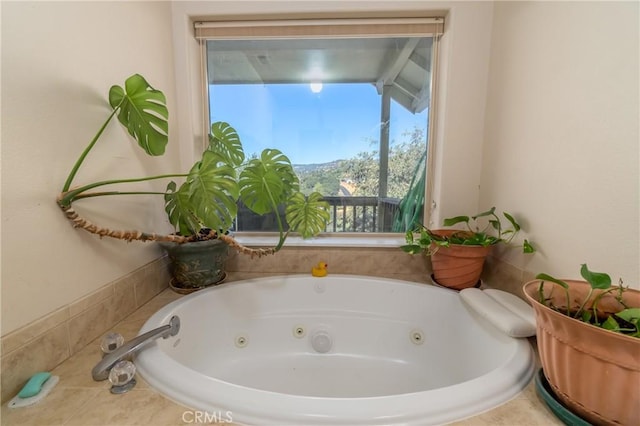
(475, 234)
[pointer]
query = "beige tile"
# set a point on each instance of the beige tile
(528, 276)
(41, 354)
(91, 323)
(503, 276)
(169, 295)
(125, 298)
(144, 312)
(137, 407)
(29, 332)
(524, 410)
(160, 270)
(233, 276)
(379, 262)
(472, 421)
(519, 411)
(75, 372)
(129, 328)
(90, 300)
(266, 264)
(541, 407)
(150, 281)
(57, 408)
(361, 261)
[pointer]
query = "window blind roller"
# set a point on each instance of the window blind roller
(339, 28)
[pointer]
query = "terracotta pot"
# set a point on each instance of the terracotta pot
(457, 266)
(594, 372)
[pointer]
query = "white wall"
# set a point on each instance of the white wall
(58, 61)
(459, 128)
(561, 140)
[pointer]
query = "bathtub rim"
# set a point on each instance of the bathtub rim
(488, 390)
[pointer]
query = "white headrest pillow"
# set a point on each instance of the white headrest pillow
(505, 311)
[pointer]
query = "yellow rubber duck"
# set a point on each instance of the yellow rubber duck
(320, 270)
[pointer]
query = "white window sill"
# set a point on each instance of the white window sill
(323, 240)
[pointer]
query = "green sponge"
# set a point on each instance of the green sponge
(34, 385)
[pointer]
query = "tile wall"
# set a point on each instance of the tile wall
(47, 342)
(504, 276)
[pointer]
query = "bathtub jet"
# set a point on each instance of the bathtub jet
(354, 351)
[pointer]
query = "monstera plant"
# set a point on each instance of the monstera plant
(203, 206)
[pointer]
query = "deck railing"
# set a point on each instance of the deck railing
(348, 214)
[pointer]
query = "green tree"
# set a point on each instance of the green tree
(364, 169)
(403, 158)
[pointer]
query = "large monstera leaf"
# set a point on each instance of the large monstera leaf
(179, 210)
(213, 191)
(206, 199)
(143, 111)
(267, 182)
(224, 140)
(307, 215)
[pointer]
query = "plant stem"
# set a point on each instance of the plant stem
(100, 194)
(584, 302)
(274, 205)
(68, 198)
(499, 225)
(541, 297)
(596, 300)
(80, 160)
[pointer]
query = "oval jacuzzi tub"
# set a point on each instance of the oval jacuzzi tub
(340, 350)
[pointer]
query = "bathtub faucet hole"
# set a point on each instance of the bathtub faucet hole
(417, 337)
(242, 341)
(299, 331)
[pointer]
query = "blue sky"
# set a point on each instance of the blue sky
(308, 127)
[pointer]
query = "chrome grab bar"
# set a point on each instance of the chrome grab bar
(101, 370)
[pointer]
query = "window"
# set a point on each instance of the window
(348, 101)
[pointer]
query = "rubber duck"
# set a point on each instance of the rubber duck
(320, 270)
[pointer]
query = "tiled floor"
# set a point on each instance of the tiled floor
(78, 400)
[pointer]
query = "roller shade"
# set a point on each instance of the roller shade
(339, 28)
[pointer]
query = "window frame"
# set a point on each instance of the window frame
(350, 27)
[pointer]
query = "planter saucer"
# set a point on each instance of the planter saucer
(189, 290)
(544, 390)
(434, 282)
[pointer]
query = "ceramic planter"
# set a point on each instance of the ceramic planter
(457, 266)
(196, 264)
(594, 372)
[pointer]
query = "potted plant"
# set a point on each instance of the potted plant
(588, 335)
(203, 206)
(457, 256)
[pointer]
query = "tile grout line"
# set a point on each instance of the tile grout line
(82, 406)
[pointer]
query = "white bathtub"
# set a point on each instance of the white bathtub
(340, 350)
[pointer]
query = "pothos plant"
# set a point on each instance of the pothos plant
(625, 321)
(209, 193)
(476, 234)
